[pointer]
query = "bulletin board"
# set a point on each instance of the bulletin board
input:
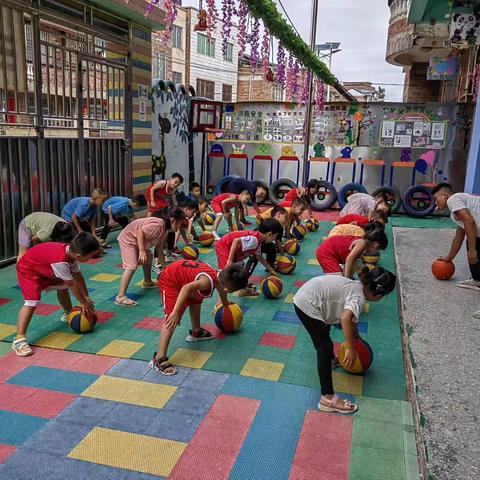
(413, 134)
(283, 126)
(336, 126)
(245, 125)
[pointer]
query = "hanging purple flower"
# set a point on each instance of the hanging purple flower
(254, 43)
(319, 97)
(171, 9)
(228, 8)
(305, 87)
(265, 53)
(290, 79)
(242, 27)
(150, 6)
(281, 66)
(295, 73)
(212, 14)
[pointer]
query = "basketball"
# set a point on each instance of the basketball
(312, 224)
(237, 226)
(209, 218)
(371, 259)
(299, 232)
(442, 269)
(228, 319)
(271, 287)
(206, 238)
(291, 246)
(286, 264)
(80, 322)
(190, 252)
(364, 356)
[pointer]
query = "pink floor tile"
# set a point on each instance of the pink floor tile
(46, 309)
(278, 340)
(59, 359)
(94, 364)
(3, 301)
(104, 317)
(12, 395)
(44, 403)
(5, 452)
(94, 261)
(217, 462)
(318, 430)
(299, 283)
(150, 323)
(215, 331)
(255, 279)
(11, 364)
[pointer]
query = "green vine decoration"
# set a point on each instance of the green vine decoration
(278, 26)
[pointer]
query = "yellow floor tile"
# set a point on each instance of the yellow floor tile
(105, 277)
(134, 392)
(366, 308)
(139, 453)
(289, 298)
(185, 357)
(235, 294)
(312, 261)
(346, 383)
(121, 348)
(6, 330)
(206, 251)
(262, 369)
(58, 340)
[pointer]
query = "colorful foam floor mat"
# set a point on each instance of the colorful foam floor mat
(243, 406)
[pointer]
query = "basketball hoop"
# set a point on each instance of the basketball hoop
(205, 114)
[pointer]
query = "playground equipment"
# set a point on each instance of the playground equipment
(238, 154)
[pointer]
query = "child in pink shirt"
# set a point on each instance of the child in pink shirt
(52, 266)
(135, 242)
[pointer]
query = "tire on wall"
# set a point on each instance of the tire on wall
(394, 197)
(326, 197)
(348, 190)
(279, 188)
(261, 183)
(223, 184)
(418, 201)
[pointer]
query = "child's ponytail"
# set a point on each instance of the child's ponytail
(377, 280)
(376, 234)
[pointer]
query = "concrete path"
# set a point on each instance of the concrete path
(445, 346)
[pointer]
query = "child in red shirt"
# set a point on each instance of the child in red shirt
(223, 203)
(236, 246)
(307, 194)
(336, 251)
(186, 283)
(158, 193)
(360, 220)
(52, 266)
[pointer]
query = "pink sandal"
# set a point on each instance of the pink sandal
(331, 405)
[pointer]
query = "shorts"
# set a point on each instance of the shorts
(328, 262)
(169, 298)
(24, 235)
(129, 255)
(217, 207)
(222, 253)
(159, 207)
(32, 288)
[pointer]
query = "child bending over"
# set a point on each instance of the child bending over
(160, 193)
(222, 205)
(307, 194)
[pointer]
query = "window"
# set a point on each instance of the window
(205, 46)
(177, 37)
(228, 57)
(176, 77)
(226, 93)
(205, 89)
(159, 66)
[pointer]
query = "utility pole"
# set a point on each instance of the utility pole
(308, 109)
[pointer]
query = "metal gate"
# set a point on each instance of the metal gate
(63, 97)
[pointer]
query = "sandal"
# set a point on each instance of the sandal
(149, 285)
(161, 365)
(125, 302)
(200, 336)
(331, 405)
(21, 347)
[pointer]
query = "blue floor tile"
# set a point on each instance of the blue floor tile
(16, 429)
(205, 380)
(191, 402)
(53, 379)
(86, 411)
(128, 418)
(287, 317)
(173, 425)
(362, 327)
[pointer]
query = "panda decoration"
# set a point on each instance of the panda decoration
(465, 28)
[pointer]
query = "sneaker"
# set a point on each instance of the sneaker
(200, 336)
(250, 291)
(21, 347)
(64, 318)
(471, 284)
(215, 235)
(176, 253)
(157, 269)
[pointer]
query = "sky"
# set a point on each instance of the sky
(361, 28)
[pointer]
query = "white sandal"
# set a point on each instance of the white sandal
(331, 405)
(21, 347)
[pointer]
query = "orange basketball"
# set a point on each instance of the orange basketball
(443, 269)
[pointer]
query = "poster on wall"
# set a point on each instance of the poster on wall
(335, 127)
(414, 133)
(244, 125)
(442, 68)
(283, 126)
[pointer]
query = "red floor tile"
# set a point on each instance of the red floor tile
(12, 395)
(3, 301)
(104, 317)
(94, 261)
(94, 364)
(46, 309)
(299, 283)
(59, 359)
(11, 364)
(255, 279)
(318, 430)
(215, 331)
(45, 404)
(217, 462)
(150, 323)
(278, 340)
(5, 452)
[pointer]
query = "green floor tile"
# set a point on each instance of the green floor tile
(376, 434)
(368, 463)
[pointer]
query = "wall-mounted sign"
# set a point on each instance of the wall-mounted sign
(410, 133)
(442, 68)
